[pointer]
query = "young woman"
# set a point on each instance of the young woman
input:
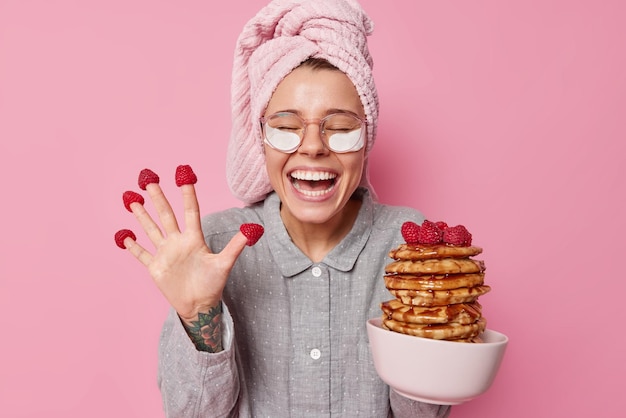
(278, 329)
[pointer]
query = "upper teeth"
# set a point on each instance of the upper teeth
(313, 175)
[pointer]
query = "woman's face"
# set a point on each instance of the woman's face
(314, 94)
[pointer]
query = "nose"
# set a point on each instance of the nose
(312, 142)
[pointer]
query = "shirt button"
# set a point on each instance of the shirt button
(315, 354)
(316, 271)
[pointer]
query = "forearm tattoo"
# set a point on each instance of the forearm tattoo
(206, 332)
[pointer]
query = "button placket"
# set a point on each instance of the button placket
(316, 353)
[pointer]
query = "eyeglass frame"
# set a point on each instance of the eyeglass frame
(306, 122)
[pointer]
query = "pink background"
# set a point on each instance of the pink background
(507, 117)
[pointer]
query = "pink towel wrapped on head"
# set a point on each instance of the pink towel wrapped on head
(278, 39)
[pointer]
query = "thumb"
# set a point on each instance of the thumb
(234, 247)
(249, 234)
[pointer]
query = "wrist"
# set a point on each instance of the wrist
(205, 330)
(191, 312)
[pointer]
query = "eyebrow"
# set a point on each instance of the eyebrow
(328, 112)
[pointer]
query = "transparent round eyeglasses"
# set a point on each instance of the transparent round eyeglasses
(340, 132)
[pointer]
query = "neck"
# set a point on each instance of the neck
(317, 240)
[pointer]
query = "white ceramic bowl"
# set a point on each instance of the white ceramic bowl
(434, 371)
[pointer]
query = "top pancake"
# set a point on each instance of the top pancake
(424, 252)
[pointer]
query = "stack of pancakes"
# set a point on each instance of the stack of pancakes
(436, 288)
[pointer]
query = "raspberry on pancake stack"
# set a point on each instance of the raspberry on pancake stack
(436, 284)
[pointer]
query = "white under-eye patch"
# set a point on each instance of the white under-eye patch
(281, 140)
(348, 141)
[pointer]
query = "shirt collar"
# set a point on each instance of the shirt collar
(291, 261)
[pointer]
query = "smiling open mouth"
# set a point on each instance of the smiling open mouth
(313, 183)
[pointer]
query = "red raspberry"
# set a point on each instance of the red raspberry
(185, 175)
(147, 176)
(410, 232)
(129, 197)
(253, 232)
(429, 233)
(441, 225)
(457, 235)
(121, 235)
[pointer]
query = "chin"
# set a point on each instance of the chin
(318, 209)
(311, 212)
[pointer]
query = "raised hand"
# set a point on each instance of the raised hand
(186, 271)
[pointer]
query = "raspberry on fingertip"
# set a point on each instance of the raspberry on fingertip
(131, 197)
(185, 175)
(252, 231)
(147, 176)
(121, 235)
